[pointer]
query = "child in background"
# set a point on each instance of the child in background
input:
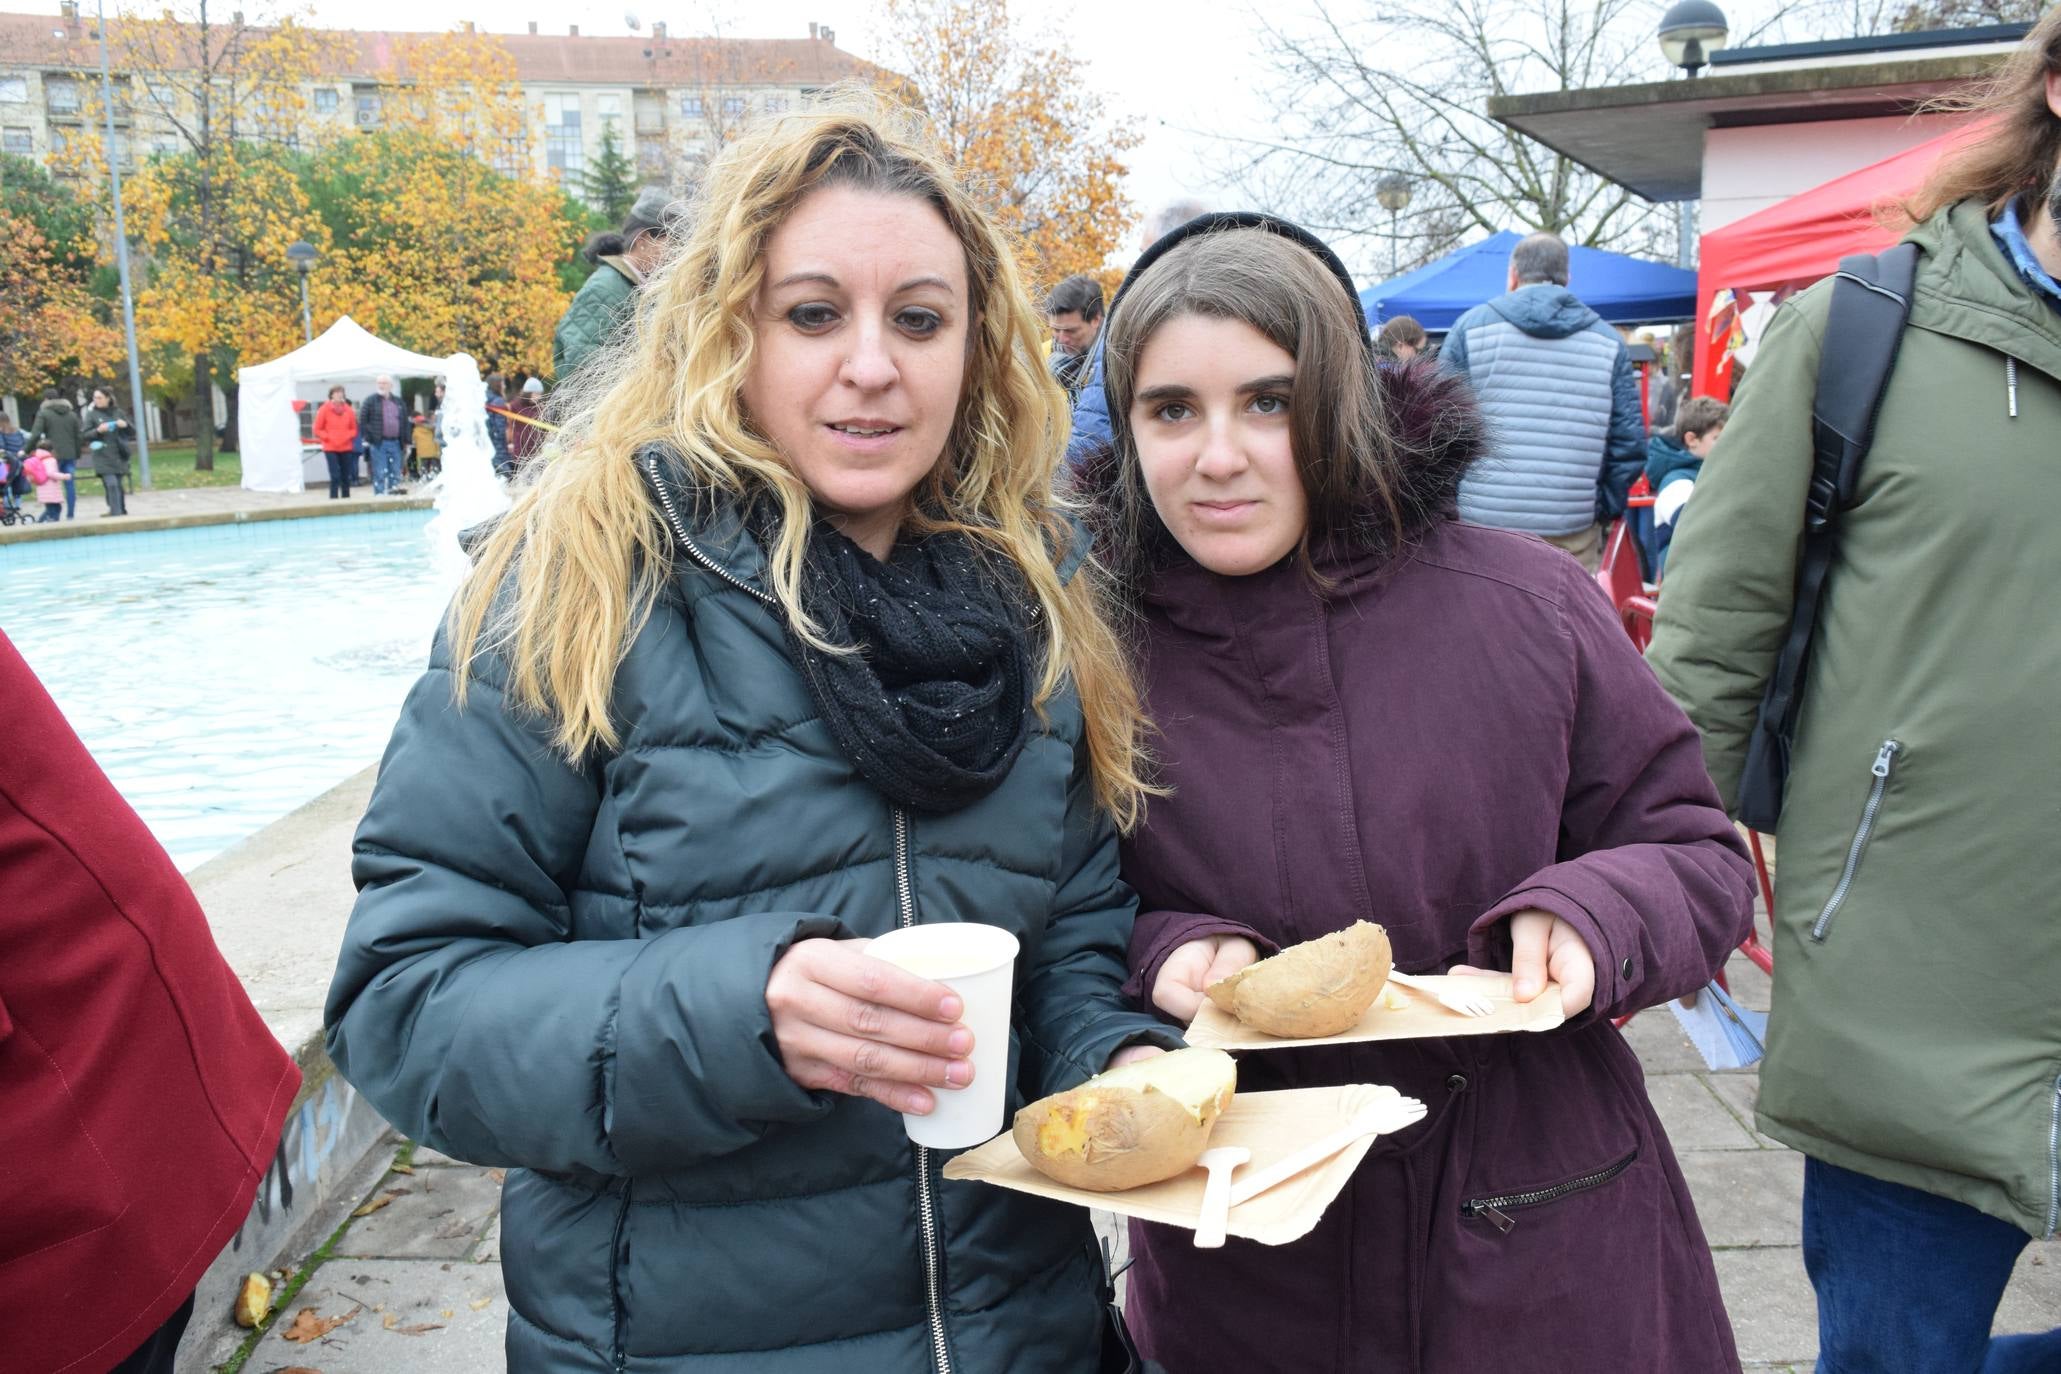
(41, 468)
(1673, 463)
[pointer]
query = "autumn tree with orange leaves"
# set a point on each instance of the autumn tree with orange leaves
(440, 234)
(213, 216)
(48, 324)
(1024, 128)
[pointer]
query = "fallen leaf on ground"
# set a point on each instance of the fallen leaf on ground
(481, 1304)
(253, 1300)
(404, 1168)
(381, 1201)
(293, 1369)
(448, 1312)
(498, 1175)
(393, 1323)
(307, 1326)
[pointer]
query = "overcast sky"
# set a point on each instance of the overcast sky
(1174, 66)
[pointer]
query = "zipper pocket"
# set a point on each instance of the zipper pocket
(1885, 760)
(1497, 1209)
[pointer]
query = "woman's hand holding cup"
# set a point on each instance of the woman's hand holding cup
(847, 1022)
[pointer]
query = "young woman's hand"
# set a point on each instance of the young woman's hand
(850, 1023)
(1192, 967)
(1545, 948)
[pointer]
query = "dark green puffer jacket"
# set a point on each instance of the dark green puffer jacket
(563, 970)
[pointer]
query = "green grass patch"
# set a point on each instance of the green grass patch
(171, 468)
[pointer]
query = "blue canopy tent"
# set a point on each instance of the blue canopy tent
(1621, 289)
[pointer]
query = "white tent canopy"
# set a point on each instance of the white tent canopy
(270, 431)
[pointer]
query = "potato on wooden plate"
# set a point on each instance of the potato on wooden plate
(1317, 988)
(1131, 1126)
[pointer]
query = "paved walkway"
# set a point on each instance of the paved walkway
(417, 1281)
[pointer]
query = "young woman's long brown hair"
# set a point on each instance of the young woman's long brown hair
(2019, 151)
(567, 580)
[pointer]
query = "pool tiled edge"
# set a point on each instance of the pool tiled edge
(310, 510)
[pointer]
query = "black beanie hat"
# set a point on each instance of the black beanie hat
(1219, 220)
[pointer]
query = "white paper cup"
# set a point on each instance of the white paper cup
(979, 963)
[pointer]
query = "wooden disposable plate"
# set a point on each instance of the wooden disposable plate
(1419, 1018)
(1273, 1125)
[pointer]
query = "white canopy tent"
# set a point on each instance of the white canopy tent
(272, 452)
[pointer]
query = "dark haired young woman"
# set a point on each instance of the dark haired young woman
(1368, 710)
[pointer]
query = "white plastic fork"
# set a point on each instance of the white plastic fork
(1466, 1003)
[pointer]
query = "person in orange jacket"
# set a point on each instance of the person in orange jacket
(336, 430)
(141, 1095)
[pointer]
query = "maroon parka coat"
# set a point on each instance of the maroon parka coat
(141, 1095)
(1443, 738)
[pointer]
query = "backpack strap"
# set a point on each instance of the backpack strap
(1871, 300)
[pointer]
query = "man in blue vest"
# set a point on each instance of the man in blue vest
(1557, 386)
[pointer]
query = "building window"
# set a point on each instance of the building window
(776, 104)
(325, 100)
(14, 90)
(692, 107)
(368, 107)
(651, 157)
(610, 110)
(733, 105)
(62, 93)
(164, 145)
(564, 151)
(19, 142)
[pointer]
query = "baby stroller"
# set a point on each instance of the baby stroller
(14, 484)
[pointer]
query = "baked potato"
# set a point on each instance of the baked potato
(1130, 1126)
(1307, 991)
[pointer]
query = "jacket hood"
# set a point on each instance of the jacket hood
(1545, 312)
(59, 406)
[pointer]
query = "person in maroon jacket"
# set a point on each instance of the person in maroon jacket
(1367, 710)
(141, 1096)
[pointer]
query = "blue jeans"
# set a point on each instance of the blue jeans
(386, 465)
(1908, 1282)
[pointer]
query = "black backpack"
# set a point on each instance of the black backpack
(1871, 299)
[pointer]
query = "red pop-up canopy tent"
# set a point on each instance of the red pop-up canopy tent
(1795, 242)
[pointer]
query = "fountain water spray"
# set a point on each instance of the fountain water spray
(468, 491)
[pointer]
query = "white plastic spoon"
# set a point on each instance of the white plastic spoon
(1216, 1194)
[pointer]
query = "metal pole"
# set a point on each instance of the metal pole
(114, 171)
(1395, 242)
(1685, 228)
(307, 320)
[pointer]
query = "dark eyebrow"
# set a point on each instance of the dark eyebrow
(1284, 382)
(1173, 391)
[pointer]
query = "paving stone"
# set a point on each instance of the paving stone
(414, 1315)
(2033, 1301)
(1693, 1116)
(1661, 1045)
(425, 1155)
(1749, 987)
(489, 1251)
(1747, 1197)
(439, 1214)
(1774, 1314)
(1740, 1090)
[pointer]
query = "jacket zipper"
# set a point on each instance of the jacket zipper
(926, 1204)
(693, 550)
(1885, 759)
(2054, 1164)
(905, 900)
(2011, 384)
(1498, 1209)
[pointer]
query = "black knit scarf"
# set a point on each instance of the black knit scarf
(933, 707)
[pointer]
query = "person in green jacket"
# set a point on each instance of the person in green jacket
(1914, 1053)
(722, 700)
(623, 262)
(56, 427)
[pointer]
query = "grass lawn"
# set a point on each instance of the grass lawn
(171, 468)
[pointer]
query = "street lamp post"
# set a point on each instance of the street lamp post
(1392, 192)
(302, 254)
(141, 428)
(1690, 32)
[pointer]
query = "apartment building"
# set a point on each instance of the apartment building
(669, 99)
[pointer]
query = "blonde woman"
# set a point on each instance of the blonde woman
(783, 649)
